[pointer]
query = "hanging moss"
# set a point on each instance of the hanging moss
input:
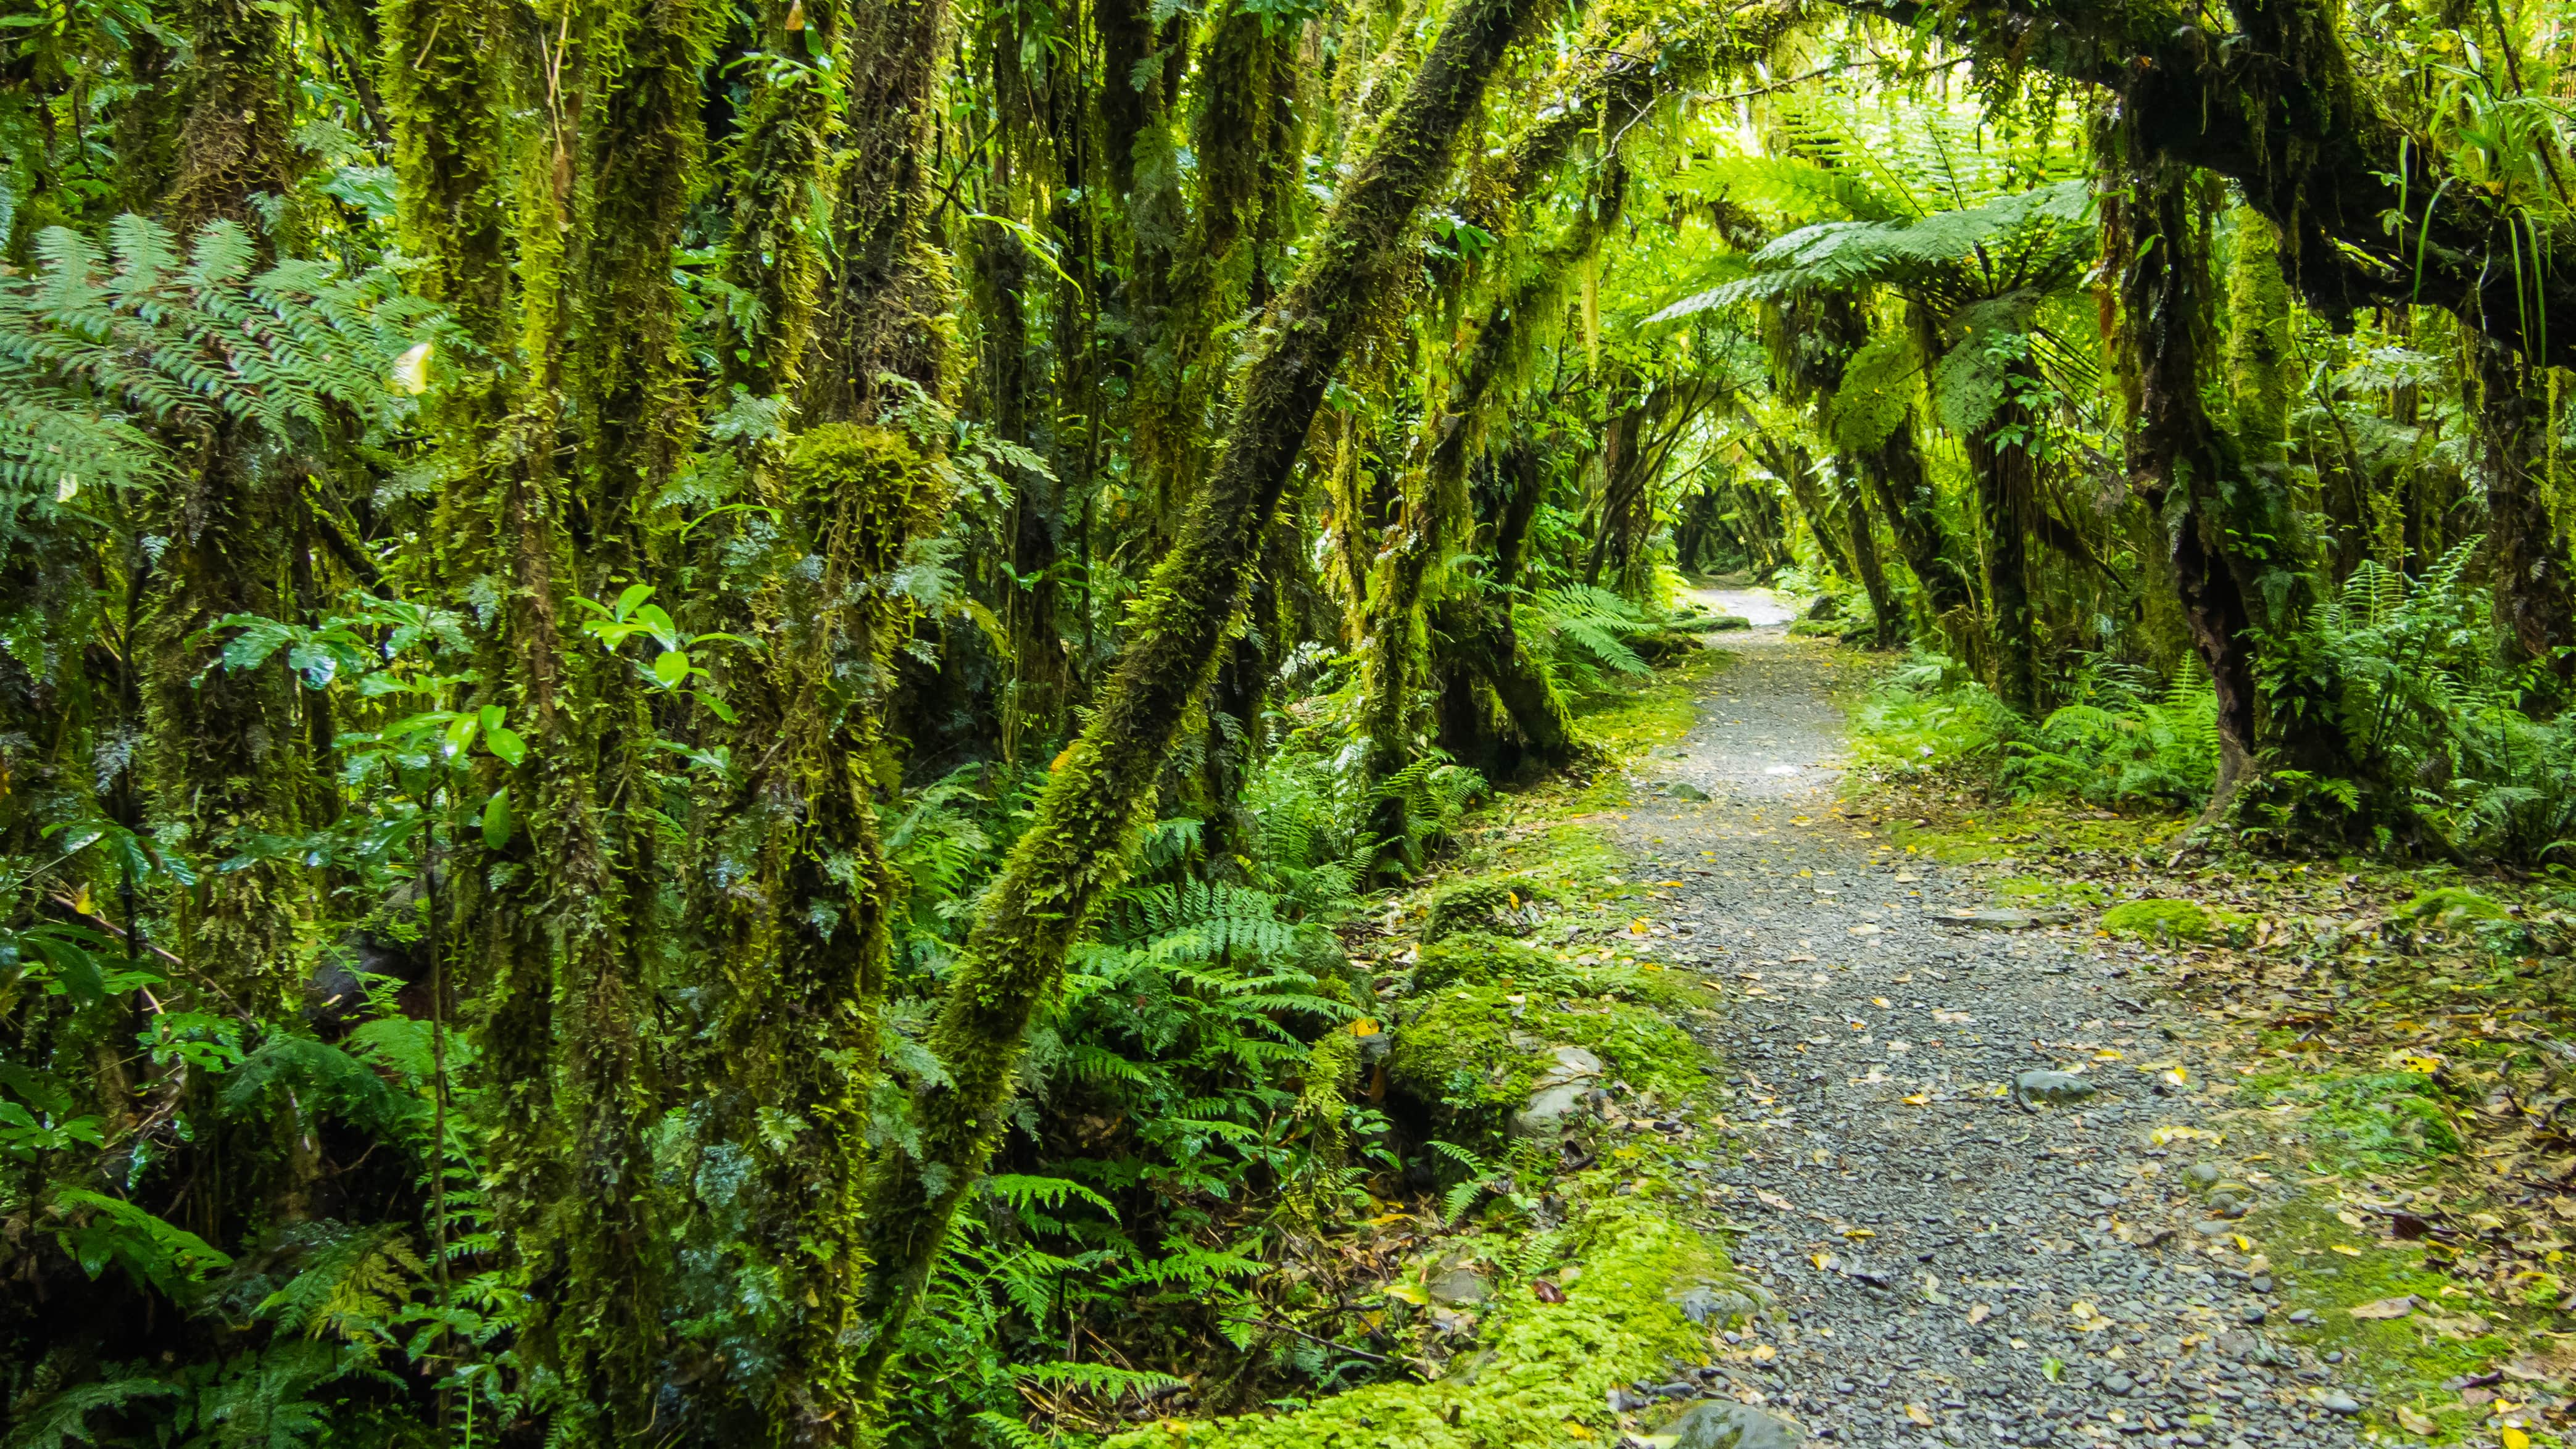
(642, 151)
(778, 166)
(233, 143)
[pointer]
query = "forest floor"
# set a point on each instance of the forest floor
(2160, 1258)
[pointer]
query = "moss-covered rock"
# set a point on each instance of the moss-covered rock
(1463, 1054)
(1479, 958)
(2170, 920)
(1504, 904)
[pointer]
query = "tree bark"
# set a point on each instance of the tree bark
(1089, 815)
(2530, 566)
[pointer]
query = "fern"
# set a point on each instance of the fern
(63, 1420)
(105, 354)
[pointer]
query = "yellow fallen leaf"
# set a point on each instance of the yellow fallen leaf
(1637, 927)
(1917, 1100)
(2243, 1245)
(1980, 1314)
(2107, 1055)
(1365, 1026)
(1920, 1415)
(1764, 1353)
(1824, 1261)
(1514, 897)
(1574, 1430)
(1859, 1233)
(1878, 1001)
(2415, 1423)
(2347, 1252)
(2514, 1438)
(2081, 1308)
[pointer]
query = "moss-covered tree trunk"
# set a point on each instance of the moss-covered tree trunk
(2000, 460)
(894, 284)
(2533, 594)
(1088, 817)
(1863, 536)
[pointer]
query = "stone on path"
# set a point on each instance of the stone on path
(1734, 1426)
(2047, 1086)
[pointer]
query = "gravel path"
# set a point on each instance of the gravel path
(1951, 1267)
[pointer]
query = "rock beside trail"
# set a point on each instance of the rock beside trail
(1557, 1096)
(2006, 920)
(1734, 1426)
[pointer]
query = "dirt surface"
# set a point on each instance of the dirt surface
(1952, 1264)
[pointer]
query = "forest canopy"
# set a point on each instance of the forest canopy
(695, 697)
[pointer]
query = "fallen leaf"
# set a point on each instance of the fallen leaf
(1546, 1292)
(2346, 1251)
(1980, 1313)
(2397, 1307)
(2514, 1438)
(2350, 1219)
(1879, 1001)
(1917, 1100)
(1365, 1026)
(1824, 1261)
(1920, 1415)
(2415, 1423)
(1858, 1233)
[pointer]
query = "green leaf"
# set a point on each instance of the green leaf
(505, 745)
(1876, 385)
(671, 667)
(497, 823)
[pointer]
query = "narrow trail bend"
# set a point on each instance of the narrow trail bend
(1950, 1267)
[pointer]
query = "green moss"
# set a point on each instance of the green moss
(1483, 959)
(2328, 1268)
(1629, 723)
(2031, 890)
(2369, 1122)
(1539, 1368)
(1481, 904)
(2171, 920)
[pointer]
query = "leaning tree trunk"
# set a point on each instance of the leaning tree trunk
(1873, 574)
(1088, 818)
